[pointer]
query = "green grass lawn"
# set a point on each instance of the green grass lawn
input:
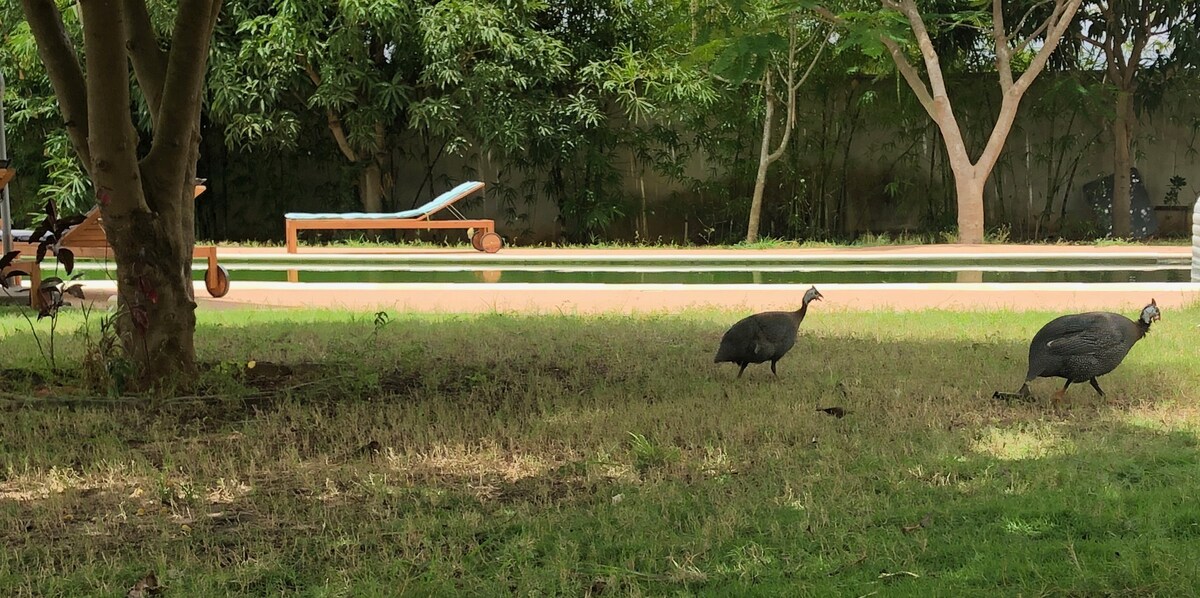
(493, 455)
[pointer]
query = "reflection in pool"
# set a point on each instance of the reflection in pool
(1043, 271)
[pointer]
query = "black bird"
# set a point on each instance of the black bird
(1083, 347)
(763, 337)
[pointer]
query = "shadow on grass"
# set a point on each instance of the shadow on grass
(491, 454)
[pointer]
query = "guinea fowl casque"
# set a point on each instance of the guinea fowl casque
(763, 337)
(1083, 347)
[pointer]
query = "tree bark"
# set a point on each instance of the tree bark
(147, 205)
(968, 188)
(370, 187)
(1122, 163)
(764, 163)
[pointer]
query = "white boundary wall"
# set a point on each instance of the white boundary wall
(1196, 242)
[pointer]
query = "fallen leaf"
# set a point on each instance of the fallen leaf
(146, 586)
(837, 412)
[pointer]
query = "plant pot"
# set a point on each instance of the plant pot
(1173, 221)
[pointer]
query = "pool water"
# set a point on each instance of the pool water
(1146, 270)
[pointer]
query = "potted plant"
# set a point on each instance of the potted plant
(1173, 217)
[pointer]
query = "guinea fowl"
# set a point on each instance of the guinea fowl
(763, 337)
(1083, 347)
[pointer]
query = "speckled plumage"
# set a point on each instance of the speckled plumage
(763, 337)
(1083, 347)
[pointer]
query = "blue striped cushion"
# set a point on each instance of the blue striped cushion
(437, 203)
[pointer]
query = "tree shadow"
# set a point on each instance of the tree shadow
(477, 418)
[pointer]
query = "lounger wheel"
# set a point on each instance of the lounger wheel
(475, 238)
(489, 242)
(219, 287)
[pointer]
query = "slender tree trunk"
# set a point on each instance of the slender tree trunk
(370, 187)
(764, 163)
(1122, 162)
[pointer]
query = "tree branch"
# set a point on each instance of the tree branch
(149, 60)
(1057, 23)
(910, 74)
(1064, 13)
(113, 141)
(1003, 57)
(331, 118)
(932, 63)
(177, 127)
(58, 54)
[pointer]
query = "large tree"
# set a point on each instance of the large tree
(1028, 44)
(1136, 37)
(145, 190)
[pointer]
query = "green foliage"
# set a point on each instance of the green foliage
(38, 144)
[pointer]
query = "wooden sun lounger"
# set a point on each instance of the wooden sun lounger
(23, 264)
(88, 239)
(484, 238)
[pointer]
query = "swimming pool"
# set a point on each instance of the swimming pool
(760, 270)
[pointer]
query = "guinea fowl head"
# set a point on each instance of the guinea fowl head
(812, 294)
(1150, 314)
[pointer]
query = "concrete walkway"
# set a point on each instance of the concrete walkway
(968, 293)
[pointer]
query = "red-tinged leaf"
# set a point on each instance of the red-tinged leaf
(41, 250)
(12, 273)
(50, 283)
(66, 257)
(75, 290)
(51, 212)
(8, 258)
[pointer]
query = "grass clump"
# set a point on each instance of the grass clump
(500, 454)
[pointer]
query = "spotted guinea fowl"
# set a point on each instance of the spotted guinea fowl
(763, 337)
(1083, 347)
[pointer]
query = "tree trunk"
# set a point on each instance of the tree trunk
(968, 189)
(370, 187)
(1122, 163)
(155, 295)
(764, 163)
(760, 180)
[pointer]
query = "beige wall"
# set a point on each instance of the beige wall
(1162, 152)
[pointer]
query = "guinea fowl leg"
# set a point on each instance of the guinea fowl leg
(743, 370)
(773, 368)
(1096, 385)
(1058, 396)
